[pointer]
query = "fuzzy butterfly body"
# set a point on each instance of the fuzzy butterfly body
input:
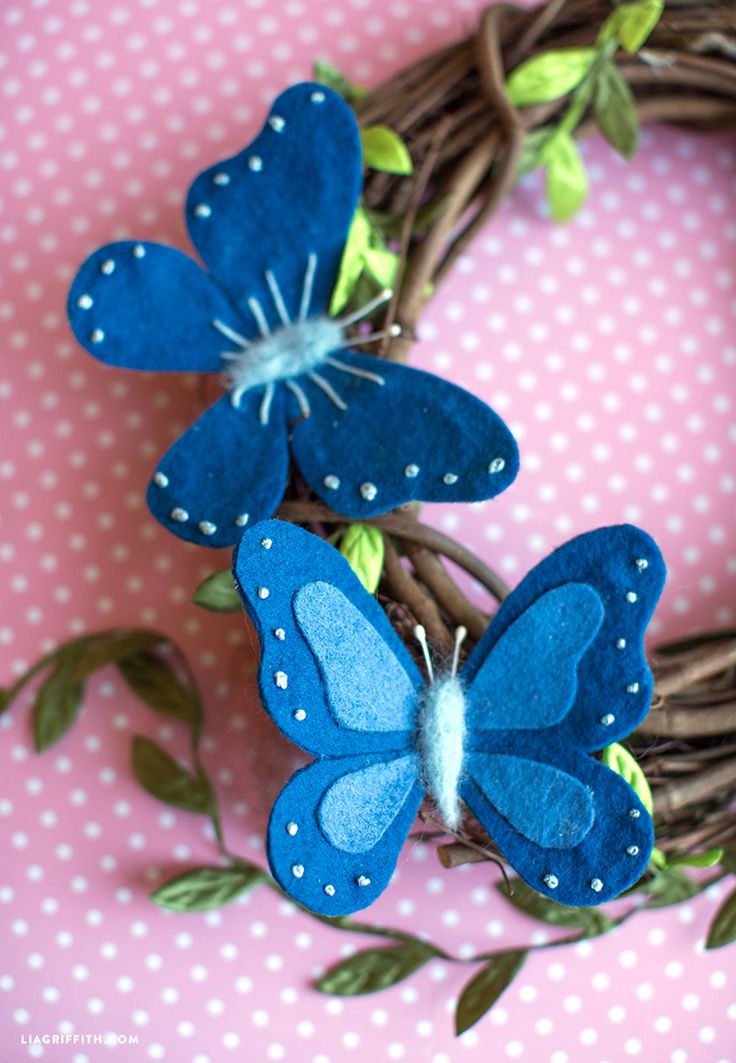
(559, 673)
(270, 224)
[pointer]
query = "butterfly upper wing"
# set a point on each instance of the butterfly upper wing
(623, 566)
(291, 193)
(334, 676)
(338, 826)
(414, 436)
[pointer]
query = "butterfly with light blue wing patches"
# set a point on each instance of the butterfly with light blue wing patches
(271, 225)
(559, 673)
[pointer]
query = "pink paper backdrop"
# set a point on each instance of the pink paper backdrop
(608, 347)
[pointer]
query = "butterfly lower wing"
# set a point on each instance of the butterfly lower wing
(141, 305)
(582, 840)
(382, 434)
(334, 676)
(228, 470)
(290, 194)
(337, 828)
(622, 565)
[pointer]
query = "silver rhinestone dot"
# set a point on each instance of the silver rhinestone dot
(329, 890)
(280, 634)
(84, 302)
(596, 885)
(266, 543)
(620, 644)
(632, 850)
(551, 881)
(242, 520)
(317, 97)
(180, 515)
(299, 715)
(449, 478)
(221, 179)
(263, 593)
(632, 596)
(277, 123)
(608, 719)
(634, 813)
(297, 870)
(497, 465)
(363, 880)
(281, 680)
(641, 563)
(411, 471)
(207, 527)
(292, 828)
(97, 335)
(331, 482)
(161, 479)
(632, 688)
(107, 267)
(139, 251)
(368, 491)
(202, 210)
(255, 163)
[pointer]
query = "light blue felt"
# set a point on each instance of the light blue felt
(367, 687)
(548, 807)
(360, 806)
(289, 195)
(528, 680)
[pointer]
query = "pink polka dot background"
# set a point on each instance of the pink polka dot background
(608, 346)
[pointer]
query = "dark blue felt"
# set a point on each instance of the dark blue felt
(529, 678)
(226, 465)
(413, 419)
(157, 311)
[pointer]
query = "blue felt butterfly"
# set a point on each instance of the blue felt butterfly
(271, 224)
(560, 672)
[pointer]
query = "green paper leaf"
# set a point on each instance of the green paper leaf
(58, 702)
(384, 150)
(374, 969)
(381, 266)
(100, 651)
(203, 888)
(482, 991)
(362, 546)
(353, 260)
(614, 109)
(618, 759)
(165, 779)
(549, 76)
(670, 886)
(567, 181)
(722, 930)
(526, 900)
(657, 859)
(706, 858)
(327, 74)
(217, 594)
(632, 23)
(156, 683)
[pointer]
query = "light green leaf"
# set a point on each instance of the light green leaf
(632, 23)
(548, 76)
(657, 859)
(203, 888)
(382, 266)
(482, 991)
(567, 181)
(57, 703)
(362, 545)
(384, 150)
(615, 111)
(374, 969)
(217, 594)
(532, 151)
(327, 74)
(353, 260)
(526, 900)
(157, 684)
(161, 776)
(623, 763)
(722, 930)
(706, 858)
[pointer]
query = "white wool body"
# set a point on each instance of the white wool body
(287, 352)
(441, 745)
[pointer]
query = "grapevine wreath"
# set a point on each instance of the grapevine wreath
(542, 741)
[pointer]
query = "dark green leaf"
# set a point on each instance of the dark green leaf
(57, 703)
(548, 76)
(670, 886)
(728, 860)
(567, 181)
(327, 74)
(532, 152)
(482, 991)
(706, 858)
(632, 23)
(591, 920)
(374, 969)
(111, 648)
(384, 150)
(156, 683)
(362, 545)
(161, 776)
(614, 109)
(618, 759)
(722, 930)
(218, 594)
(6, 698)
(206, 887)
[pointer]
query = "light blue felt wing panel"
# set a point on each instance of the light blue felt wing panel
(613, 852)
(528, 680)
(290, 194)
(545, 805)
(367, 687)
(359, 807)
(625, 568)
(413, 436)
(145, 306)
(271, 564)
(227, 471)
(308, 866)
